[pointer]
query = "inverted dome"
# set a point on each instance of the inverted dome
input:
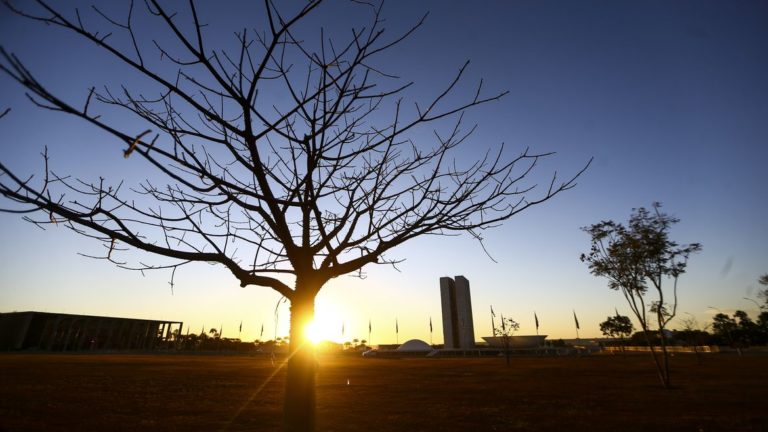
(414, 345)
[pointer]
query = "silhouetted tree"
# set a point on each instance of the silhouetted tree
(763, 293)
(740, 331)
(648, 338)
(505, 331)
(637, 257)
(284, 157)
(762, 326)
(724, 327)
(617, 326)
(692, 334)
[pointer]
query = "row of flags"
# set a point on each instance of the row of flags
(343, 328)
(397, 326)
(221, 330)
(535, 318)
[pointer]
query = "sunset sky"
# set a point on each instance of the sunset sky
(669, 98)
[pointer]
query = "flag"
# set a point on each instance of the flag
(342, 329)
(576, 320)
(241, 327)
(535, 317)
(430, 324)
(221, 330)
(397, 327)
(369, 326)
(493, 324)
(503, 326)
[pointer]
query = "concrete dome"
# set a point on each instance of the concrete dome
(415, 345)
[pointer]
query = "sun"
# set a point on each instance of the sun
(320, 330)
(313, 333)
(326, 326)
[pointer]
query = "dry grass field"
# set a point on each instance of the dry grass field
(110, 392)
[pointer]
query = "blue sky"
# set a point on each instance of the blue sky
(670, 98)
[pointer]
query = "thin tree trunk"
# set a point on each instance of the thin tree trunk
(659, 368)
(302, 364)
(665, 358)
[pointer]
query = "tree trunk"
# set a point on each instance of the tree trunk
(300, 381)
(667, 382)
(659, 368)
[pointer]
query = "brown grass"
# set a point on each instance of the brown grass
(208, 393)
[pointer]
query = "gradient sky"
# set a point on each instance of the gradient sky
(670, 98)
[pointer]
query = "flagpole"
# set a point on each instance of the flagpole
(369, 333)
(493, 326)
(576, 320)
(430, 331)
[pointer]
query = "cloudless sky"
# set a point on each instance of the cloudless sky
(670, 98)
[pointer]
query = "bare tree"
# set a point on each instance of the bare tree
(507, 330)
(638, 257)
(286, 193)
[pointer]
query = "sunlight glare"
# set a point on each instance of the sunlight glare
(313, 333)
(326, 326)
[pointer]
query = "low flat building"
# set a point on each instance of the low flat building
(45, 331)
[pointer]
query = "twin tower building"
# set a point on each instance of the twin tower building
(458, 329)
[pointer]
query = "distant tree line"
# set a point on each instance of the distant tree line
(738, 330)
(212, 341)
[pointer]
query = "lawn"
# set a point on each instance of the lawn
(117, 392)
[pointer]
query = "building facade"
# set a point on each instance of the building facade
(458, 327)
(44, 331)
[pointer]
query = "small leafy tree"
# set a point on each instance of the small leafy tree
(693, 334)
(505, 332)
(637, 258)
(617, 326)
(725, 327)
(741, 331)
